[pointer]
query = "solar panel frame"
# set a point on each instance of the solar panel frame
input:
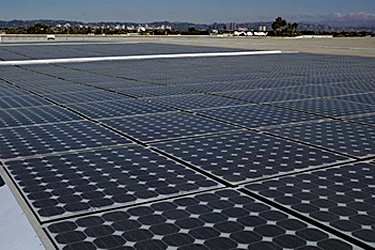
(342, 137)
(196, 222)
(257, 116)
(197, 101)
(340, 198)
(247, 157)
(167, 126)
(228, 145)
(75, 183)
(118, 108)
(34, 116)
(52, 138)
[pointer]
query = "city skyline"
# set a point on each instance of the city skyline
(208, 11)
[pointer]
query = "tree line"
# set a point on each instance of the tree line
(281, 27)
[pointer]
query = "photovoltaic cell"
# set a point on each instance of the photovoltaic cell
(328, 107)
(257, 115)
(341, 197)
(51, 138)
(370, 120)
(166, 126)
(22, 102)
(155, 91)
(191, 102)
(349, 138)
(121, 107)
(322, 90)
(357, 85)
(218, 86)
(247, 156)
(10, 91)
(32, 116)
(367, 98)
(90, 187)
(77, 182)
(263, 96)
(87, 96)
(218, 220)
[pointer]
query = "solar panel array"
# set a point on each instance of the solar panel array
(258, 152)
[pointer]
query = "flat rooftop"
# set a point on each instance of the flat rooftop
(234, 148)
(355, 46)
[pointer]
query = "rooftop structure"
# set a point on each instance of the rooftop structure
(222, 149)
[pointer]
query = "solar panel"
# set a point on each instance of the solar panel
(22, 101)
(353, 139)
(33, 116)
(51, 89)
(357, 85)
(119, 84)
(223, 219)
(155, 91)
(341, 197)
(7, 91)
(173, 153)
(52, 138)
(366, 98)
(254, 116)
(219, 86)
(370, 120)
(263, 96)
(166, 126)
(328, 107)
(322, 90)
(247, 156)
(121, 107)
(89, 50)
(77, 182)
(198, 101)
(87, 96)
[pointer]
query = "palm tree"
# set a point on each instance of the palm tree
(278, 25)
(295, 27)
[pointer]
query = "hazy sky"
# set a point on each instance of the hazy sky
(199, 11)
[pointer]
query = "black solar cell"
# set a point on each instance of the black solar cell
(33, 116)
(86, 96)
(257, 115)
(52, 138)
(353, 139)
(223, 219)
(263, 96)
(22, 101)
(155, 91)
(328, 107)
(77, 182)
(91, 187)
(370, 120)
(171, 125)
(367, 98)
(247, 156)
(121, 107)
(199, 101)
(341, 197)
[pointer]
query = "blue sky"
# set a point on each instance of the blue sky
(199, 11)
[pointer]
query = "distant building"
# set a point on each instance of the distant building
(230, 26)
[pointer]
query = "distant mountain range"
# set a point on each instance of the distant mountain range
(187, 25)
